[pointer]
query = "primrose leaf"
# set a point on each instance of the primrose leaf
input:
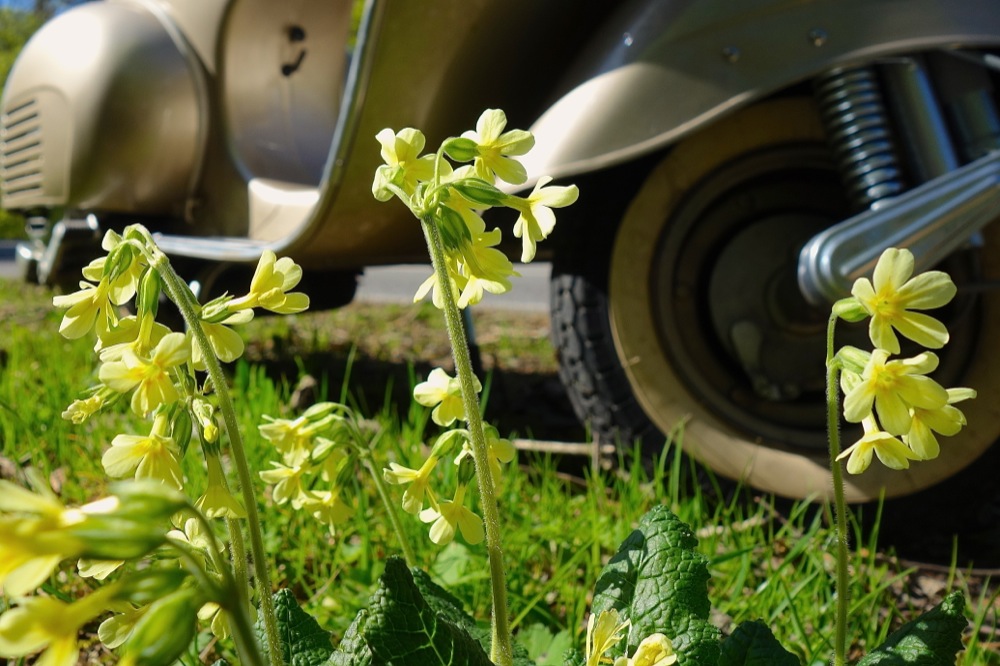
(353, 651)
(404, 628)
(659, 582)
(933, 639)
(753, 644)
(303, 641)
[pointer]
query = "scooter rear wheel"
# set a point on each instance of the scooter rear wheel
(702, 313)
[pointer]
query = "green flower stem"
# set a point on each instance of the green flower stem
(364, 452)
(500, 652)
(181, 295)
(840, 505)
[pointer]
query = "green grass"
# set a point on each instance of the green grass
(769, 560)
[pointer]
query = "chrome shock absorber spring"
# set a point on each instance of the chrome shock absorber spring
(858, 130)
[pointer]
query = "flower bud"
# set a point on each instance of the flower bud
(461, 149)
(448, 440)
(320, 410)
(454, 232)
(111, 240)
(164, 632)
(204, 412)
(148, 295)
(146, 586)
(148, 500)
(118, 262)
(853, 359)
(478, 191)
(109, 538)
(180, 430)
(466, 470)
(850, 309)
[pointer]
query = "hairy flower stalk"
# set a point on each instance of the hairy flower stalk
(448, 202)
(841, 584)
(501, 651)
(181, 295)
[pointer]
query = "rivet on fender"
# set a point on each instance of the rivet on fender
(817, 37)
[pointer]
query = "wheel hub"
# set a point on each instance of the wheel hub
(727, 303)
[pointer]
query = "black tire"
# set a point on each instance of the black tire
(588, 365)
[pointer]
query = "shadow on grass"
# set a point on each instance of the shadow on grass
(519, 403)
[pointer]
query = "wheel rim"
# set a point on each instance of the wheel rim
(722, 341)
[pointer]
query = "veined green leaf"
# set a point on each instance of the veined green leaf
(405, 628)
(659, 582)
(933, 639)
(753, 644)
(303, 641)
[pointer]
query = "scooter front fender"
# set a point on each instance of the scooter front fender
(659, 71)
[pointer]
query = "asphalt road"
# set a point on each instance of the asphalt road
(397, 284)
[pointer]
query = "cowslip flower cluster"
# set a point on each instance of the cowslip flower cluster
(901, 409)
(157, 372)
(38, 532)
(442, 393)
(318, 456)
(155, 368)
(457, 197)
(449, 200)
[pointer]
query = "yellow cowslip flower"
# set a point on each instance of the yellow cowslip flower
(226, 343)
(289, 437)
(81, 410)
(892, 452)
(153, 456)
(37, 532)
(404, 167)
(130, 333)
(89, 307)
(218, 619)
(450, 515)
(494, 148)
(946, 420)
(894, 387)
(418, 480)
(654, 650)
(444, 393)
(603, 633)
(483, 266)
(537, 220)
(500, 451)
(98, 569)
(127, 272)
(193, 534)
(328, 507)
(287, 483)
(891, 296)
(269, 287)
(116, 629)
(150, 377)
(456, 281)
(218, 502)
(32, 541)
(46, 623)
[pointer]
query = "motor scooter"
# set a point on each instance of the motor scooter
(739, 164)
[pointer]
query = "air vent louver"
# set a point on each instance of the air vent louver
(20, 152)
